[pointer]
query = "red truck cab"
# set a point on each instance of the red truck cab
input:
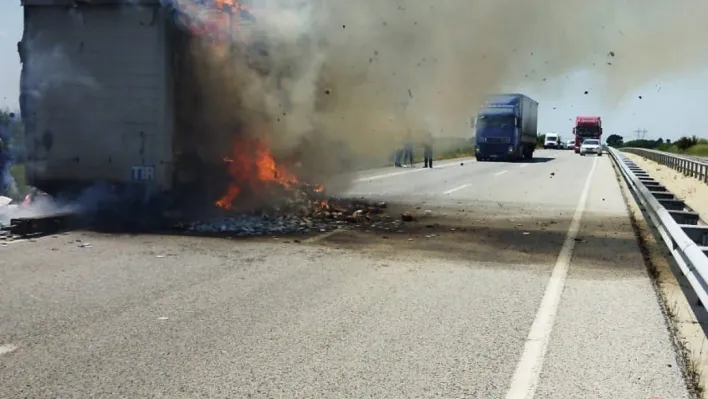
(586, 127)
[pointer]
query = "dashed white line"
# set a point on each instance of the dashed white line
(448, 192)
(7, 243)
(388, 175)
(4, 349)
(523, 165)
(419, 169)
(457, 188)
(323, 236)
(528, 371)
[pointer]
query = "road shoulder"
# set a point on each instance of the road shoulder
(610, 339)
(688, 322)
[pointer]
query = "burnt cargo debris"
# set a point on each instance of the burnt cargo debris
(298, 216)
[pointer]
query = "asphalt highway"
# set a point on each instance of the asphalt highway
(517, 279)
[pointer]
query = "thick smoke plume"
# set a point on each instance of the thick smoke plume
(335, 84)
(362, 75)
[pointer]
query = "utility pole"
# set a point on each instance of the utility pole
(641, 133)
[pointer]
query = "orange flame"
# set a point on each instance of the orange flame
(223, 3)
(254, 166)
(218, 22)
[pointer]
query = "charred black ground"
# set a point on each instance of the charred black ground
(303, 212)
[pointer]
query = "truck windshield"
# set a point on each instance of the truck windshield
(495, 121)
(587, 131)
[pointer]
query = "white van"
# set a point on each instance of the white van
(552, 141)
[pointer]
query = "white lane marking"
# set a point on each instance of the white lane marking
(442, 164)
(448, 192)
(323, 236)
(457, 188)
(7, 243)
(419, 169)
(523, 165)
(4, 349)
(388, 175)
(525, 379)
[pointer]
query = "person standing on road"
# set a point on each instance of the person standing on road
(428, 151)
(408, 150)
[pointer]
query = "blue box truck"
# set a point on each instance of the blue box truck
(506, 128)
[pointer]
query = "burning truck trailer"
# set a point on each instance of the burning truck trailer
(115, 93)
(110, 93)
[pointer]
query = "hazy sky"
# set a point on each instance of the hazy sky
(10, 34)
(668, 108)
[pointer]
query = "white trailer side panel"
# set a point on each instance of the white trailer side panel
(97, 95)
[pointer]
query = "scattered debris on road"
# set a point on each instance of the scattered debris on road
(302, 216)
(407, 217)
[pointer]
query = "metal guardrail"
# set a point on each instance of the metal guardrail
(685, 234)
(688, 166)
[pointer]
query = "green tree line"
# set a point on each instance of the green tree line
(690, 145)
